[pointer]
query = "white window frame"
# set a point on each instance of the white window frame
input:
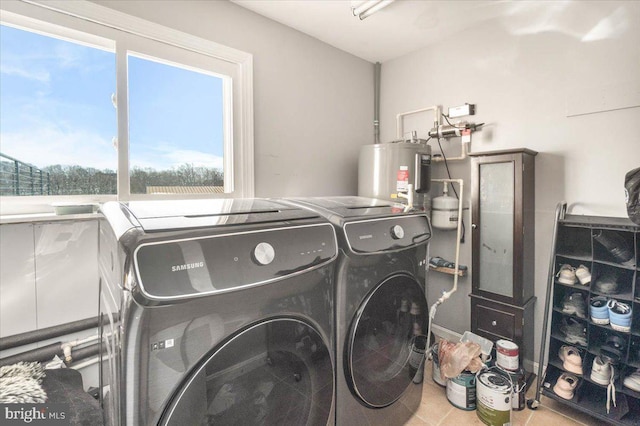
(238, 125)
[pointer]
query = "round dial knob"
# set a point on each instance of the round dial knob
(397, 232)
(264, 253)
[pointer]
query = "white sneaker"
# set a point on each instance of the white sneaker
(583, 275)
(632, 381)
(567, 274)
(601, 371)
(572, 361)
(565, 385)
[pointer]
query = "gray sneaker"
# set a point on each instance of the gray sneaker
(607, 283)
(573, 331)
(574, 304)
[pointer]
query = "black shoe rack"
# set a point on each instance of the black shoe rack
(610, 248)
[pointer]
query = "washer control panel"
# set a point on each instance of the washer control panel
(220, 263)
(387, 234)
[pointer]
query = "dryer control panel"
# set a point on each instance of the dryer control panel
(387, 234)
(177, 269)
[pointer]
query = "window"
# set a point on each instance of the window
(96, 109)
(56, 117)
(176, 137)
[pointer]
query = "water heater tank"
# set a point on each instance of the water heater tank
(386, 169)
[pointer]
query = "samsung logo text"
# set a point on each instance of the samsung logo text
(184, 267)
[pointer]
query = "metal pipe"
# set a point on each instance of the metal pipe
(40, 354)
(377, 69)
(47, 333)
(46, 353)
(85, 363)
(86, 352)
(561, 210)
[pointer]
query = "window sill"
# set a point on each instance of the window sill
(45, 217)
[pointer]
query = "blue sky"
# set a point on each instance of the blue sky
(55, 107)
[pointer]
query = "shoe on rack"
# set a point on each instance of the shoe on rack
(567, 275)
(613, 349)
(599, 310)
(620, 316)
(607, 283)
(632, 381)
(574, 304)
(438, 262)
(617, 246)
(583, 275)
(566, 385)
(601, 371)
(573, 331)
(572, 361)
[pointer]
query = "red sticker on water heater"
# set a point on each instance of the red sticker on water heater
(402, 179)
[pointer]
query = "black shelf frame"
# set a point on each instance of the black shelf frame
(574, 243)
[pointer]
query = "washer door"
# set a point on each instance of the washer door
(386, 343)
(278, 372)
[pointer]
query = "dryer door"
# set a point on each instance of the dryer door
(386, 342)
(277, 372)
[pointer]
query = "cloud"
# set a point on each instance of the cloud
(41, 76)
(47, 145)
(165, 156)
(197, 158)
(38, 64)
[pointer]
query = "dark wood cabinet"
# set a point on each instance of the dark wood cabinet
(496, 320)
(503, 232)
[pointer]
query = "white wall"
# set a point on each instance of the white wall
(313, 103)
(313, 109)
(525, 80)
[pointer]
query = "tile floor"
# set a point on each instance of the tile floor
(436, 410)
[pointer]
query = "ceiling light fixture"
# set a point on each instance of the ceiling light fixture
(369, 7)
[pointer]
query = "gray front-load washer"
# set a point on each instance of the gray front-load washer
(381, 308)
(216, 312)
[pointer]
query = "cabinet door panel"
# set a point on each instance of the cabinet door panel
(496, 210)
(503, 227)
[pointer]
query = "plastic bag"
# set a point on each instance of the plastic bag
(454, 358)
(632, 194)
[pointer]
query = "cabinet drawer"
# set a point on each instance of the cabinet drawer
(493, 321)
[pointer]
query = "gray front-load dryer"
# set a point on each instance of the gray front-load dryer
(381, 308)
(216, 312)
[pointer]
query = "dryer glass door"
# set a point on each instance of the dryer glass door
(278, 372)
(387, 339)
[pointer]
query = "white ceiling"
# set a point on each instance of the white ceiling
(409, 25)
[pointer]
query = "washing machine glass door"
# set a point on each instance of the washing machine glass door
(386, 344)
(277, 372)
